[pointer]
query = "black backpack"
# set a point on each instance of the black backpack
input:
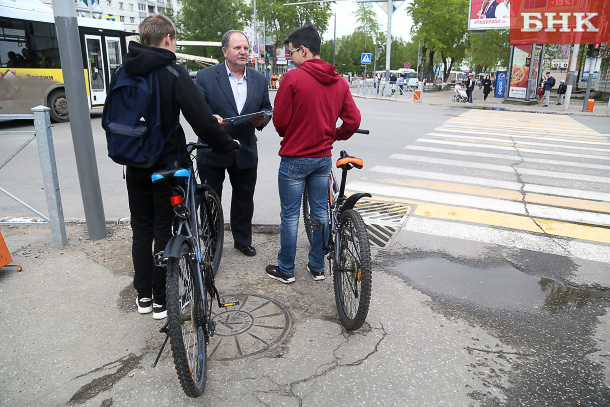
(551, 81)
(133, 120)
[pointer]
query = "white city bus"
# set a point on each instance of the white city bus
(30, 65)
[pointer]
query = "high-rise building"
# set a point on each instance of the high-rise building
(130, 12)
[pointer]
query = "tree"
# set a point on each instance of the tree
(208, 20)
(439, 26)
(490, 49)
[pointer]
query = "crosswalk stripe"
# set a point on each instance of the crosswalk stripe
(519, 136)
(513, 195)
(510, 157)
(503, 168)
(512, 238)
(509, 130)
(463, 179)
(509, 142)
(496, 207)
(512, 148)
(511, 127)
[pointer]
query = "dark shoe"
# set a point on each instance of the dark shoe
(159, 311)
(247, 250)
(144, 305)
(275, 272)
(317, 275)
(558, 104)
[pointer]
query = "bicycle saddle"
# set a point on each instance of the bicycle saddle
(171, 173)
(349, 161)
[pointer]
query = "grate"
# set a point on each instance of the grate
(384, 220)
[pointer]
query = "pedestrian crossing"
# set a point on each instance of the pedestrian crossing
(531, 181)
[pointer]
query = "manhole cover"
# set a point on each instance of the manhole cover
(254, 326)
(384, 220)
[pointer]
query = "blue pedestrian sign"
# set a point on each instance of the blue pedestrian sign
(366, 58)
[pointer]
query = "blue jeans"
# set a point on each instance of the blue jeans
(295, 173)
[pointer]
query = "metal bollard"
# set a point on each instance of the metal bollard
(46, 152)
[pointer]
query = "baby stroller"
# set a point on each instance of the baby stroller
(459, 95)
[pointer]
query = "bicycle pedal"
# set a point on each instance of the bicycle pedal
(160, 260)
(229, 304)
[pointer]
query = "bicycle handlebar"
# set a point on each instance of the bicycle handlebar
(362, 131)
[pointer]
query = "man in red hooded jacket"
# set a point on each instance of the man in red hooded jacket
(307, 106)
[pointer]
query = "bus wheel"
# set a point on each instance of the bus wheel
(59, 106)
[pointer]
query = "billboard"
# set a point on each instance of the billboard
(489, 15)
(525, 71)
(559, 22)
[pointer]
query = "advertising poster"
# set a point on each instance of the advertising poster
(520, 71)
(489, 15)
(559, 22)
(537, 66)
(500, 84)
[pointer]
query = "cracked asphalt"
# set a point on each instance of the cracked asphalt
(72, 335)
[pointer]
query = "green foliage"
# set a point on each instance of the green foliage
(280, 20)
(490, 49)
(367, 21)
(208, 20)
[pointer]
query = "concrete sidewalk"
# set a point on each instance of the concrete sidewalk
(71, 335)
(444, 98)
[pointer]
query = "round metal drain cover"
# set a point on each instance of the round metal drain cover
(252, 327)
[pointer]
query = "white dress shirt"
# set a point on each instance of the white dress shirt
(239, 88)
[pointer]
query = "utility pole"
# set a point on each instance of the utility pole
(68, 40)
(335, 37)
(256, 39)
(571, 76)
(388, 47)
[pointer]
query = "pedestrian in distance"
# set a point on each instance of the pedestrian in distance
(151, 212)
(470, 87)
(548, 86)
(486, 88)
(232, 89)
(561, 91)
(312, 97)
(401, 84)
(274, 81)
(393, 82)
(540, 90)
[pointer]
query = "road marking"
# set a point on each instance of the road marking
(510, 238)
(462, 179)
(503, 168)
(510, 157)
(460, 204)
(509, 142)
(511, 147)
(513, 195)
(510, 127)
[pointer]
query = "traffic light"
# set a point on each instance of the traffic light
(593, 51)
(269, 50)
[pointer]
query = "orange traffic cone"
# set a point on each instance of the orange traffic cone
(5, 256)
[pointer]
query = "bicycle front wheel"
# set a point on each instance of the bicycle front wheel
(352, 275)
(211, 229)
(186, 320)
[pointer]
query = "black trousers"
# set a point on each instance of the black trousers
(243, 182)
(151, 222)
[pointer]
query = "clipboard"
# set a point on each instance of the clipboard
(245, 117)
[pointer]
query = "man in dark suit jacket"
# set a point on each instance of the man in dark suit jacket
(232, 89)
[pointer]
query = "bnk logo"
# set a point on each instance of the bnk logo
(580, 22)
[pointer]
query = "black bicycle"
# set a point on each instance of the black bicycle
(192, 257)
(347, 247)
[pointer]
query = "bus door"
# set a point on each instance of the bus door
(95, 68)
(113, 54)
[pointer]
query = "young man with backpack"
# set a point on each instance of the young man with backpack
(147, 109)
(548, 85)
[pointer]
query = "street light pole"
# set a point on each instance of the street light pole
(255, 39)
(335, 37)
(388, 47)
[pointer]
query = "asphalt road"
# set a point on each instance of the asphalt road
(500, 224)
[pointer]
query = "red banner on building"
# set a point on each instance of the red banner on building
(559, 22)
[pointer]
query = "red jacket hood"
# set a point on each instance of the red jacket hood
(321, 71)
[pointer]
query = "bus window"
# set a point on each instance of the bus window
(12, 44)
(113, 49)
(45, 46)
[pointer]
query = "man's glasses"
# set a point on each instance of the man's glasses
(296, 49)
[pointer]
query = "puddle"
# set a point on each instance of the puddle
(502, 287)
(487, 108)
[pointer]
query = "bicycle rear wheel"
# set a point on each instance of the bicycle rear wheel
(211, 228)
(352, 276)
(185, 318)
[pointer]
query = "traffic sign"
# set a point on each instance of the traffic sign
(366, 58)
(407, 65)
(255, 48)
